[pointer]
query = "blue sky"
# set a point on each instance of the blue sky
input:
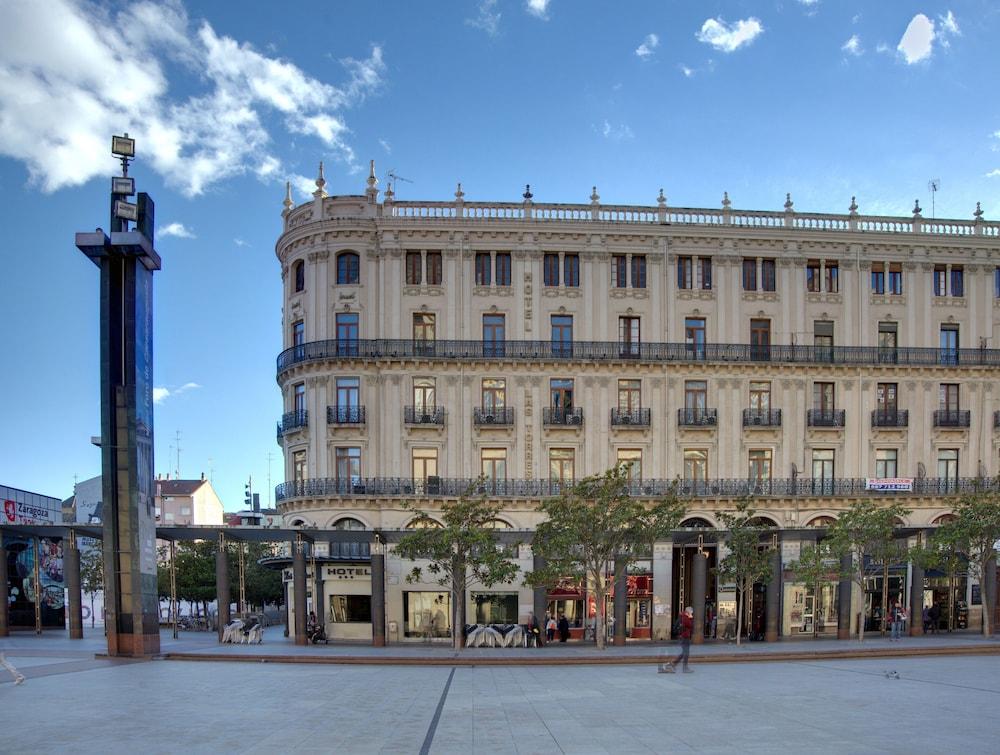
(822, 99)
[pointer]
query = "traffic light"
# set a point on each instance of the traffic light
(247, 497)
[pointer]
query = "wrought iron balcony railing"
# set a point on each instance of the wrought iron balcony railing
(559, 416)
(630, 417)
(952, 418)
(697, 417)
(423, 415)
(761, 417)
(649, 352)
(890, 418)
(502, 416)
(292, 421)
(541, 488)
(345, 415)
(826, 417)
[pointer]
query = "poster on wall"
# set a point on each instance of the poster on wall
(23, 590)
(889, 484)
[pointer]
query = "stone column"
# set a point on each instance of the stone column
(299, 588)
(773, 617)
(620, 602)
(71, 569)
(378, 594)
(284, 592)
(319, 603)
(916, 600)
(844, 606)
(4, 595)
(662, 589)
(699, 578)
(222, 584)
(539, 598)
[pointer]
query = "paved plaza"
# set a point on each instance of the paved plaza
(72, 701)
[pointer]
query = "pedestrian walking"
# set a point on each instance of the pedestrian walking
(896, 619)
(18, 676)
(550, 627)
(686, 622)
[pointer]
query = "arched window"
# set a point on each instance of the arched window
(820, 521)
(349, 523)
(299, 273)
(696, 522)
(944, 519)
(422, 523)
(496, 524)
(348, 267)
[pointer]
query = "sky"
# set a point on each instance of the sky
(824, 99)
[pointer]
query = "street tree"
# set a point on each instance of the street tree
(747, 562)
(816, 564)
(590, 524)
(463, 549)
(944, 550)
(865, 533)
(91, 571)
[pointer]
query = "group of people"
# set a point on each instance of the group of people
(551, 625)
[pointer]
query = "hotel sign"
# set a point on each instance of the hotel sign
(889, 484)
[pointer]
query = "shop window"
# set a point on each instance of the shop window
(495, 607)
(351, 609)
(426, 614)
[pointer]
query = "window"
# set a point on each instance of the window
(629, 395)
(630, 461)
(348, 463)
(425, 464)
(619, 270)
(495, 607)
(749, 274)
(483, 268)
(299, 466)
(694, 337)
(433, 268)
(494, 394)
(885, 399)
(996, 282)
(347, 333)
(895, 286)
(503, 268)
(298, 333)
(695, 465)
(638, 271)
(812, 276)
(760, 339)
(832, 277)
(561, 393)
(299, 274)
(628, 336)
(705, 273)
(760, 465)
(494, 334)
(423, 326)
(822, 470)
(878, 278)
(493, 463)
(957, 281)
(349, 523)
(695, 395)
(562, 335)
(413, 268)
(299, 398)
(351, 609)
(685, 272)
(948, 466)
(550, 269)
(348, 395)
(948, 397)
(823, 340)
(426, 614)
(885, 462)
(940, 280)
(760, 396)
(823, 397)
(561, 465)
(348, 267)
(949, 344)
(887, 342)
(571, 270)
(768, 278)
(424, 395)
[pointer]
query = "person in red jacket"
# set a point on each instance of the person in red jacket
(686, 622)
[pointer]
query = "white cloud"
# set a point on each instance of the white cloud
(729, 37)
(616, 133)
(304, 185)
(385, 146)
(176, 229)
(809, 2)
(650, 43)
(161, 394)
(487, 18)
(59, 104)
(947, 27)
(917, 41)
(883, 48)
(538, 8)
(995, 173)
(240, 242)
(688, 72)
(853, 46)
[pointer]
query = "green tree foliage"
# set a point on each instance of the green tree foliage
(263, 585)
(747, 562)
(944, 550)
(91, 571)
(589, 525)
(464, 551)
(865, 533)
(816, 564)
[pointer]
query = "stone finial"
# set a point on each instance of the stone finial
(527, 193)
(726, 204)
(853, 209)
(594, 196)
(372, 181)
(788, 202)
(661, 200)
(459, 194)
(320, 183)
(389, 193)
(288, 203)
(978, 214)
(916, 208)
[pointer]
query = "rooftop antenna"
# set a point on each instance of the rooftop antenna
(933, 185)
(392, 178)
(177, 448)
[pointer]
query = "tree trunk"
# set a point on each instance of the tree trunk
(91, 610)
(599, 619)
(739, 616)
(987, 616)
(951, 601)
(861, 621)
(885, 596)
(815, 631)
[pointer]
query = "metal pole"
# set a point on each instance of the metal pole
(378, 594)
(4, 595)
(71, 568)
(539, 598)
(699, 579)
(173, 588)
(222, 585)
(38, 587)
(243, 578)
(299, 589)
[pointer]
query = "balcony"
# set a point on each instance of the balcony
(424, 415)
(630, 417)
(558, 416)
(498, 416)
(291, 421)
(800, 487)
(890, 418)
(826, 417)
(345, 415)
(697, 417)
(952, 418)
(762, 418)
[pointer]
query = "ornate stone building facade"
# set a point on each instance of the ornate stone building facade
(805, 358)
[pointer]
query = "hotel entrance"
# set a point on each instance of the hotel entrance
(682, 590)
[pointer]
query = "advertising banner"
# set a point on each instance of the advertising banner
(889, 484)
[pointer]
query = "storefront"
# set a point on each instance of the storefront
(426, 614)
(638, 613)
(810, 609)
(567, 599)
